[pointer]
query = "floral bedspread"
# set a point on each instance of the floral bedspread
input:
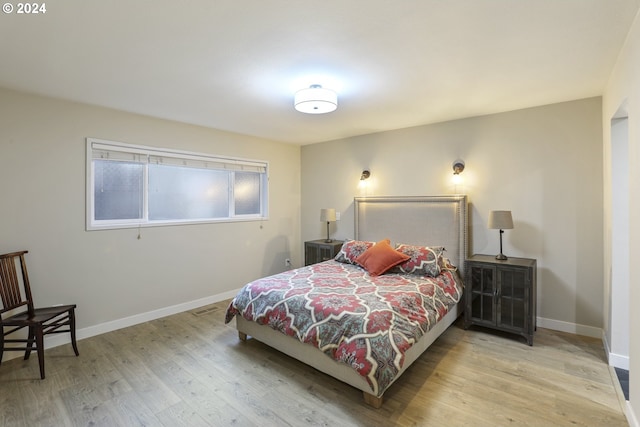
(366, 322)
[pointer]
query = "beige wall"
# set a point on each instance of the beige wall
(111, 274)
(624, 89)
(544, 164)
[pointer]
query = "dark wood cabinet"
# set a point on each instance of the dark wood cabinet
(318, 250)
(501, 294)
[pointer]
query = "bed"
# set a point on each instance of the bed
(354, 324)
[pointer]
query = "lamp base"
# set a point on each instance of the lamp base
(328, 239)
(501, 256)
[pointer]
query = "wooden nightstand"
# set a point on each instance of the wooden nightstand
(318, 250)
(501, 294)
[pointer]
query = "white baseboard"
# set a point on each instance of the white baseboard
(61, 339)
(572, 328)
(616, 360)
(632, 419)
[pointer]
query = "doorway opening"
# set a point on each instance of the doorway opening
(619, 294)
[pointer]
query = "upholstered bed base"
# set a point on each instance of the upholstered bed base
(310, 355)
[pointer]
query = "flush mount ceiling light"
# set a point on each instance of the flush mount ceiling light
(315, 100)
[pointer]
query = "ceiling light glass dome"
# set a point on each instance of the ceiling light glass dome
(316, 100)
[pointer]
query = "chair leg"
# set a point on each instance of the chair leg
(1, 343)
(31, 339)
(72, 329)
(40, 349)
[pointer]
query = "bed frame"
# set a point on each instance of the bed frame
(429, 220)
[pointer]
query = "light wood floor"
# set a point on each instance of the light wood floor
(191, 370)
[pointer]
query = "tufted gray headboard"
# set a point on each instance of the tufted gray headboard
(422, 220)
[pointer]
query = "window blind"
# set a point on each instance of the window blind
(130, 153)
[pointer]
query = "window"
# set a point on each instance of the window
(133, 185)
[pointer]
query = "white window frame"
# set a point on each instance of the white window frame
(95, 148)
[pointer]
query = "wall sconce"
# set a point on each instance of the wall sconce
(458, 167)
(365, 175)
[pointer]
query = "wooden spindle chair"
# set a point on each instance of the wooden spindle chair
(18, 307)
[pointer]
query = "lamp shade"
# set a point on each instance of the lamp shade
(315, 100)
(500, 220)
(328, 215)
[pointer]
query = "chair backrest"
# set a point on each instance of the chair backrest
(11, 283)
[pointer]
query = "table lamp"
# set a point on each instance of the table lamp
(328, 215)
(500, 220)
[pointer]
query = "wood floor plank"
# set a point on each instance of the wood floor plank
(130, 410)
(190, 369)
(181, 415)
(205, 402)
(153, 391)
(44, 406)
(87, 406)
(12, 411)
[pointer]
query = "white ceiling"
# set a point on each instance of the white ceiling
(235, 64)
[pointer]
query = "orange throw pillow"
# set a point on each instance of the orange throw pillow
(380, 258)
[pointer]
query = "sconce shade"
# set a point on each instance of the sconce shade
(500, 220)
(458, 167)
(315, 100)
(365, 175)
(328, 215)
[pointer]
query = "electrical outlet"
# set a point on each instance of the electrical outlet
(287, 262)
